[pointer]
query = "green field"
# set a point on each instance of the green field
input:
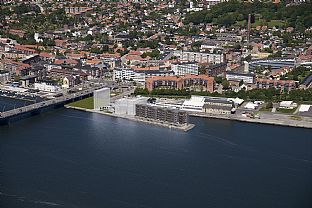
(270, 24)
(290, 111)
(265, 109)
(85, 103)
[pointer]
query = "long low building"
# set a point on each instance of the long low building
(190, 82)
(273, 63)
(210, 58)
(138, 76)
(237, 77)
(282, 85)
(212, 105)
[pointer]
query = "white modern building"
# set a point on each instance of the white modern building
(101, 98)
(195, 103)
(48, 87)
(126, 106)
(181, 69)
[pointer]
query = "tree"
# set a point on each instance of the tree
(225, 84)
(269, 104)
(241, 82)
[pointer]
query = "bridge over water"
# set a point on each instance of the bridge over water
(36, 108)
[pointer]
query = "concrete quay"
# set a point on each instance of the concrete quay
(137, 119)
(272, 119)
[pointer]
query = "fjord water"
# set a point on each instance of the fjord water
(7, 103)
(68, 158)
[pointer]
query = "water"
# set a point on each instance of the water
(7, 103)
(68, 158)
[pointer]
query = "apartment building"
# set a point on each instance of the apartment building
(128, 74)
(190, 56)
(190, 82)
(237, 77)
(183, 68)
(282, 85)
(161, 114)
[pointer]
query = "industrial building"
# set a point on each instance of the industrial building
(161, 114)
(101, 98)
(273, 63)
(213, 105)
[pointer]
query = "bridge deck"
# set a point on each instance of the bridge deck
(43, 104)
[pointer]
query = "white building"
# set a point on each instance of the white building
(251, 106)
(127, 74)
(126, 106)
(304, 108)
(210, 3)
(190, 56)
(48, 87)
(4, 76)
(237, 77)
(101, 98)
(195, 103)
(287, 105)
(180, 69)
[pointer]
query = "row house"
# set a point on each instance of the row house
(282, 85)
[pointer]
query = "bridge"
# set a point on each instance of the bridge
(36, 108)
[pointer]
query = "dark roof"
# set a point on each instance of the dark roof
(217, 100)
(228, 108)
(28, 77)
(307, 81)
(240, 74)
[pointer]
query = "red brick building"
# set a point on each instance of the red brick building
(191, 82)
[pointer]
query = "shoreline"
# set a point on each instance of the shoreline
(137, 119)
(274, 121)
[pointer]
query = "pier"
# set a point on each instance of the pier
(36, 108)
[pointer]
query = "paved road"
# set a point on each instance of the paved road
(125, 93)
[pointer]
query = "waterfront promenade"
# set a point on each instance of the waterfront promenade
(265, 118)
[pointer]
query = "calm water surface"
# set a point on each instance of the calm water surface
(68, 158)
(7, 103)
